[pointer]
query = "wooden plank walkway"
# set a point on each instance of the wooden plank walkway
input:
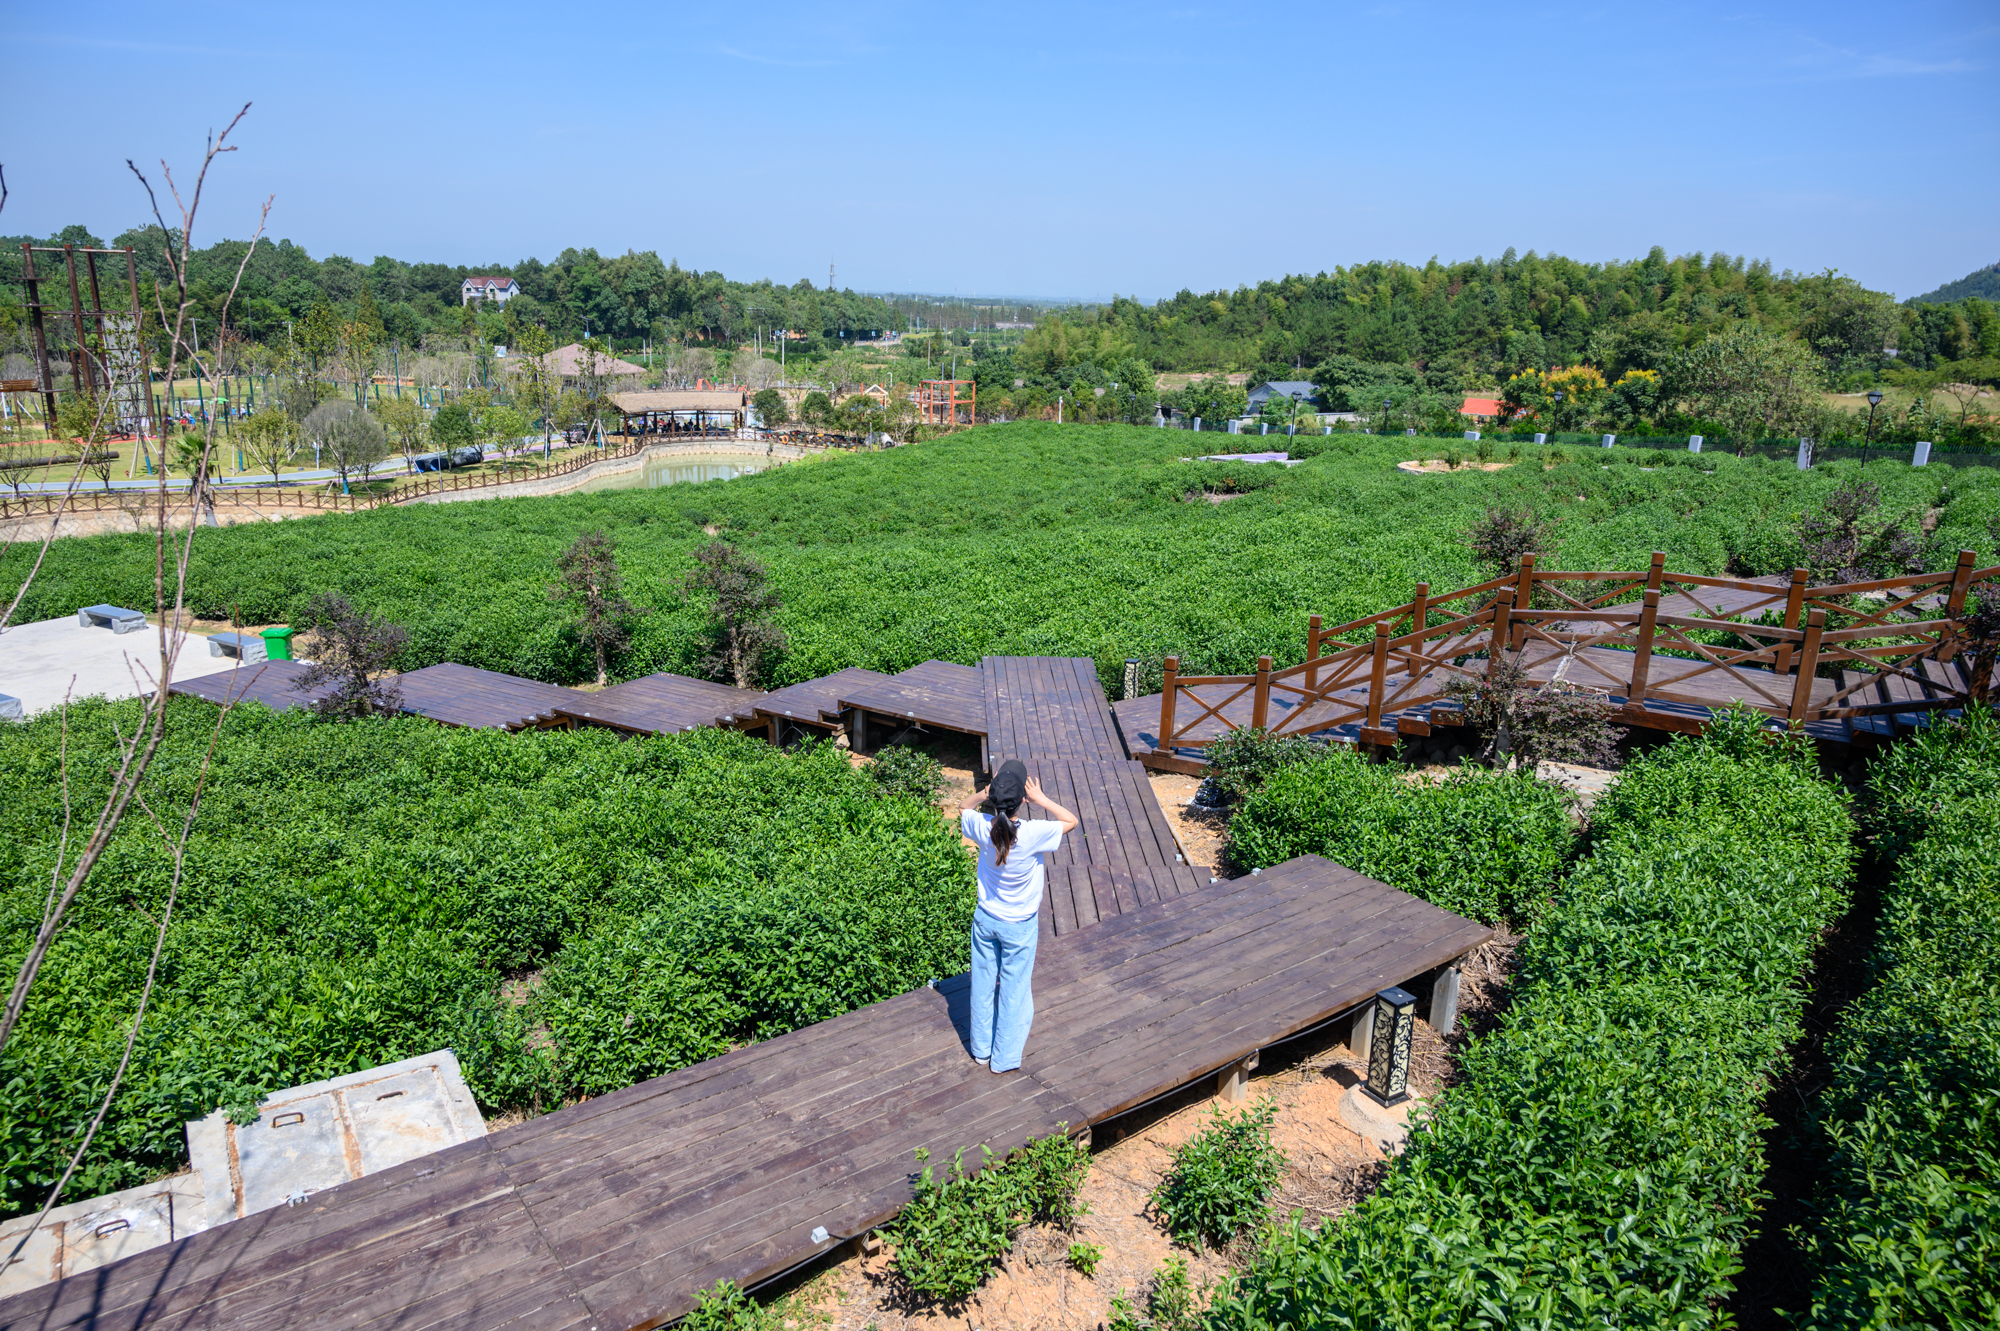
(613, 1213)
(663, 704)
(462, 695)
(1047, 707)
(272, 683)
(815, 703)
(936, 695)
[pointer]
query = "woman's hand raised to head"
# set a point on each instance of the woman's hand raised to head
(1063, 816)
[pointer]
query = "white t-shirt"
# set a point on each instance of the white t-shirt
(1011, 891)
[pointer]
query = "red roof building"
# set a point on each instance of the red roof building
(1482, 408)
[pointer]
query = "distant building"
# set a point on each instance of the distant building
(499, 290)
(1283, 388)
(1483, 408)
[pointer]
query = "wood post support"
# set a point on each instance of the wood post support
(857, 731)
(1524, 599)
(1808, 666)
(1503, 606)
(1642, 658)
(1169, 690)
(1420, 609)
(774, 732)
(1954, 601)
(1233, 1082)
(1312, 653)
(1444, 1000)
(1378, 676)
(1260, 701)
(1795, 601)
(1656, 571)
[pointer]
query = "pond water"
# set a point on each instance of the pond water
(681, 469)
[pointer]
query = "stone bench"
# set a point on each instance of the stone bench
(242, 646)
(110, 617)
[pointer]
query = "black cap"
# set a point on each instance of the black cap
(1010, 784)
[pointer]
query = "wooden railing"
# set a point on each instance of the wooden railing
(1859, 637)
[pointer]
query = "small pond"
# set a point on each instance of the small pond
(682, 468)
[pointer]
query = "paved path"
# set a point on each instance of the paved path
(42, 662)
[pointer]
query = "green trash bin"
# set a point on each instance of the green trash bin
(278, 643)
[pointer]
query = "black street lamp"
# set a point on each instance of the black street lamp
(1385, 415)
(1293, 428)
(1555, 417)
(1874, 401)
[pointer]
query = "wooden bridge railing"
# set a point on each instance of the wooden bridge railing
(1532, 617)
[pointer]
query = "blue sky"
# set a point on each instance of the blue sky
(1034, 149)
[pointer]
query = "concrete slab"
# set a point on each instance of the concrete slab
(314, 1137)
(41, 662)
(83, 1236)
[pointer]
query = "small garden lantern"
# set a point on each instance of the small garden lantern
(1389, 1046)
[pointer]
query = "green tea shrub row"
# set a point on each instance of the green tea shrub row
(1027, 538)
(1601, 1161)
(1908, 1225)
(953, 1232)
(1222, 1176)
(363, 893)
(1485, 844)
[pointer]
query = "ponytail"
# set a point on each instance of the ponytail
(1003, 834)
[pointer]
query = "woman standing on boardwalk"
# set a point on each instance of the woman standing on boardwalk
(1006, 927)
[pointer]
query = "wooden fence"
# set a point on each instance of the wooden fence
(1796, 652)
(324, 500)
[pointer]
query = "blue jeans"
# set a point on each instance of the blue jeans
(1003, 964)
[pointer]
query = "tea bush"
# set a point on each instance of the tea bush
(1908, 1225)
(1222, 1176)
(1171, 1302)
(360, 893)
(1488, 845)
(1601, 1160)
(955, 1229)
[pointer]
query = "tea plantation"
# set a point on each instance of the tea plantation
(1024, 539)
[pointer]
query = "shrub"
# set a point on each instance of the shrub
(1907, 1230)
(899, 770)
(1222, 1176)
(1244, 759)
(724, 1307)
(1488, 845)
(948, 1239)
(1172, 1303)
(1601, 1160)
(1084, 1257)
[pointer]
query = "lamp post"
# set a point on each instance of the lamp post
(1555, 417)
(1293, 428)
(1874, 401)
(1385, 415)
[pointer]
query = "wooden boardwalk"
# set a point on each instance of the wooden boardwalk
(811, 709)
(613, 1214)
(460, 695)
(272, 683)
(664, 704)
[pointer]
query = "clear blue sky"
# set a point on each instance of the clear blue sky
(1034, 149)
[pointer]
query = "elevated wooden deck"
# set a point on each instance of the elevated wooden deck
(614, 1213)
(272, 683)
(663, 704)
(461, 695)
(814, 704)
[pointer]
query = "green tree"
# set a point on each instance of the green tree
(404, 420)
(351, 439)
(453, 428)
(770, 404)
(742, 611)
(1754, 384)
(270, 438)
(588, 584)
(816, 409)
(537, 381)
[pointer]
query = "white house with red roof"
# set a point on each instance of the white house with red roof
(499, 290)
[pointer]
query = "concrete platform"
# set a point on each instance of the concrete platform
(41, 662)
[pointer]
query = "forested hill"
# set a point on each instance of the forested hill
(1983, 284)
(1463, 322)
(626, 298)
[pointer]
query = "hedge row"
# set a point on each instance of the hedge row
(1908, 1224)
(1601, 1161)
(1484, 844)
